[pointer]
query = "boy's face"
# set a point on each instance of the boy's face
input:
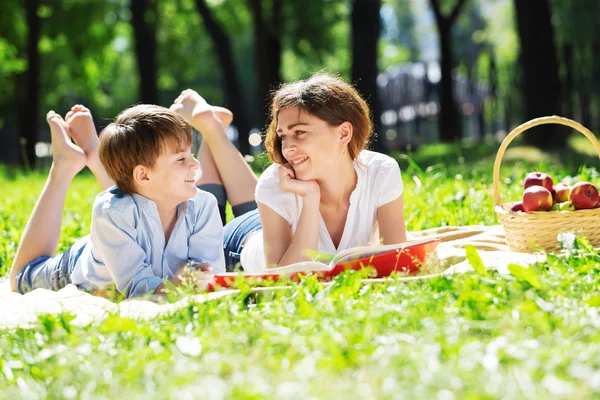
(173, 176)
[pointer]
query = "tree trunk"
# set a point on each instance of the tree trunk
(450, 129)
(540, 81)
(143, 19)
(29, 93)
(494, 103)
(568, 83)
(596, 83)
(366, 26)
(268, 52)
(233, 88)
(449, 121)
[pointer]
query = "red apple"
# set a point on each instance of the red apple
(584, 195)
(538, 179)
(560, 193)
(517, 206)
(537, 198)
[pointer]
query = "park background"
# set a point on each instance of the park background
(478, 335)
(431, 71)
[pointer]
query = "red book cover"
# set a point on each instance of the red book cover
(407, 257)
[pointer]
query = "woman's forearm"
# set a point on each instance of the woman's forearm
(307, 233)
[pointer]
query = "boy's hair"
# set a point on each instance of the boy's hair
(326, 97)
(138, 136)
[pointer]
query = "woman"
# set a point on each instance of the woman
(324, 191)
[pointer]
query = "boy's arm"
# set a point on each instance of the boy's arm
(113, 239)
(206, 240)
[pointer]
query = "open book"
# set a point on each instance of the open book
(407, 257)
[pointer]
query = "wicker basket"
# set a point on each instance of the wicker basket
(526, 232)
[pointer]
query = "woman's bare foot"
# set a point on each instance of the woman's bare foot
(67, 158)
(83, 132)
(197, 112)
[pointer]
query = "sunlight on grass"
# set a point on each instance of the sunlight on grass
(533, 334)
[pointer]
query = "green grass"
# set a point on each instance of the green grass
(531, 335)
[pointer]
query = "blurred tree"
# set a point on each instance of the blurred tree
(398, 42)
(268, 51)
(366, 28)
(450, 127)
(577, 32)
(87, 57)
(540, 81)
(144, 21)
(316, 37)
(28, 87)
(185, 54)
(13, 65)
(233, 94)
(499, 33)
(472, 52)
(290, 40)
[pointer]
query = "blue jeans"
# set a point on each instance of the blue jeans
(234, 234)
(53, 273)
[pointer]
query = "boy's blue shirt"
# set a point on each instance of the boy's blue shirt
(127, 242)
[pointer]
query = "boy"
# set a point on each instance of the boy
(145, 229)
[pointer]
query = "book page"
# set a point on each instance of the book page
(297, 267)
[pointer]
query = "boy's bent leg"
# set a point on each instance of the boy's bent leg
(42, 231)
(83, 131)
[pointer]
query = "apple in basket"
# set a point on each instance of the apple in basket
(560, 193)
(538, 179)
(517, 206)
(537, 198)
(564, 206)
(584, 195)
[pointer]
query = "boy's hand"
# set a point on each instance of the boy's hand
(289, 183)
(198, 113)
(202, 274)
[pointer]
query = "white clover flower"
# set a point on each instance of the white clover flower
(566, 240)
(189, 345)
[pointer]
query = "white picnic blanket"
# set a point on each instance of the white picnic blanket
(23, 310)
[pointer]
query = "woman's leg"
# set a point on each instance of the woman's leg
(83, 131)
(209, 179)
(225, 161)
(235, 173)
(42, 231)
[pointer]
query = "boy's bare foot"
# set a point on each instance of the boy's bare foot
(82, 128)
(83, 132)
(198, 113)
(66, 156)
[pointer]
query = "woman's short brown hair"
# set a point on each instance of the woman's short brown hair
(138, 137)
(328, 98)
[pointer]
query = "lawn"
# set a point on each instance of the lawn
(532, 335)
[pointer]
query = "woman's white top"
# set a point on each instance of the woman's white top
(379, 182)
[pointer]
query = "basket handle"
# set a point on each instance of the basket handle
(528, 125)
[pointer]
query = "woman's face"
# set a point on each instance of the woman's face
(310, 145)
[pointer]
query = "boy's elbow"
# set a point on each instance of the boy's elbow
(142, 287)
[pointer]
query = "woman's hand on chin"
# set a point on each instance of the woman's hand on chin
(289, 183)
